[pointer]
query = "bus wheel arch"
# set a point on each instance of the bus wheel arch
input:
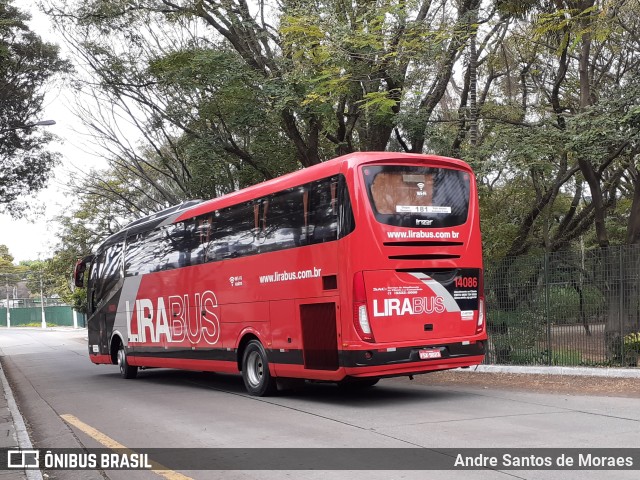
(244, 341)
(116, 342)
(255, 368)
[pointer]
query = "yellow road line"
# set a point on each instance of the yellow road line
(111, 443)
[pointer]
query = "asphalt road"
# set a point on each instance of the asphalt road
(68, 402)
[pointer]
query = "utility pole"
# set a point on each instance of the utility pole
(44, 318)
(6, 278)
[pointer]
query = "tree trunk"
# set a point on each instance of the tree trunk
(620, 267)
(441, 80)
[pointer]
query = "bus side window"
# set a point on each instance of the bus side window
(133, 261)
(240, 232)
(203, 226)
(187, 241)
(323, 219)
(232, 235)
(284, 221)
(143, 251)
(175, 242)
(106, 270)
(112, 271)
(346, 219)
(204, 229)
(93, 283)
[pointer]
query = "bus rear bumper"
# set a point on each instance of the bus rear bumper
(407, 369)
(411, 360)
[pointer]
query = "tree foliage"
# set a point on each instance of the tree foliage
(27, 65)
(10, 274)
(7, 268)
(541, 97)
(227, 94)
(41, 281)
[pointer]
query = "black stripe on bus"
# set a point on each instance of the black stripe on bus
(289, 357)
(221, 354)
(347, 358)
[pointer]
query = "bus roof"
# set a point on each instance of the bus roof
(150, 222)
(194, 208)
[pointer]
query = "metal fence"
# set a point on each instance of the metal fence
(566, 308)
(32, 316)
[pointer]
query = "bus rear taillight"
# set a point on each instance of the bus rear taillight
(360, 316)
(481, 313)
(480, 324)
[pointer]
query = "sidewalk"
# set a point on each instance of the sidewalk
(544, 370)
(13, 433)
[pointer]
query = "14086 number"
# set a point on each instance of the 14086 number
(466, 282)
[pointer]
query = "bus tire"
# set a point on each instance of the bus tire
(255, 370)
(126, 370)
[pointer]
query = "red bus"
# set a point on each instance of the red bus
(363, 267)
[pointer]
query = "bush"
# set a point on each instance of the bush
(566, 358)
(526, 357)
(564, 304)
(514, 335)
(632, 342)
(632, 349)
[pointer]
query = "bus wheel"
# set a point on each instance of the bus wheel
(255, 370)
(126, 370)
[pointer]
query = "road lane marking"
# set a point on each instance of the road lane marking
(109, 442)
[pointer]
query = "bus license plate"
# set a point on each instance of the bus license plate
(428, 354)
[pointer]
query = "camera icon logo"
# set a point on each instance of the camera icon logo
(23, 459)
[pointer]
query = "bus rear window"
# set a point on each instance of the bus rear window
(418, 197)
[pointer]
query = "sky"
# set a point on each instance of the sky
(33, 237)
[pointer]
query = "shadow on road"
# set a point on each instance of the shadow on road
(320, 392)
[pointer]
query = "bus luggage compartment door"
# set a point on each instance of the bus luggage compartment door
(319, 336)
(422, 306)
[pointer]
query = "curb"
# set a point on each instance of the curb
(542, 370)
(24, 442)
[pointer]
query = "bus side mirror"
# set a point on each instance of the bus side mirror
(78, 273)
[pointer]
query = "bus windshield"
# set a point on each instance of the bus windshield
(416, 196)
